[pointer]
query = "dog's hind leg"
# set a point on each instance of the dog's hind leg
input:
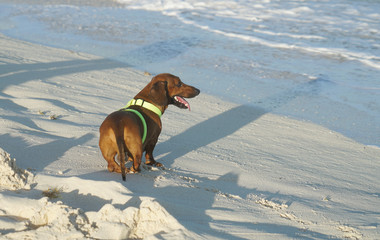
(113, 166)
(109, 154)
(136, 160)
(134, 154)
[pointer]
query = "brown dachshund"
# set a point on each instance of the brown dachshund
(136, 128)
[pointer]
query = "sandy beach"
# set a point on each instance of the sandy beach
(230, 171)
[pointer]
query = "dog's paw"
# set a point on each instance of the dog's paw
(114, 168)
(153, 167)
(158, 164)
(153, 163)
(132, 170)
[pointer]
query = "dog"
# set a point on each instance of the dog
(135, 128)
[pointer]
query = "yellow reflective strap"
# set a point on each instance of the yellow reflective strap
(144, 104)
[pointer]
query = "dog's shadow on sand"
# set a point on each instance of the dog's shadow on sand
(230, 121)
(208, 131)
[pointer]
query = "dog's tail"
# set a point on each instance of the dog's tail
(121, 156)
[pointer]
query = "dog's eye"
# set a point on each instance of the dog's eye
(179, 84)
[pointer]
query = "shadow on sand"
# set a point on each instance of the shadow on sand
(39, 156)
(208, 131)
(190, 203)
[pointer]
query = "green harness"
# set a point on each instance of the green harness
(144, 104)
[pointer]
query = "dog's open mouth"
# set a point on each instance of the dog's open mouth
(181, 102)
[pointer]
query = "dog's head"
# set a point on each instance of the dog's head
(165, 89)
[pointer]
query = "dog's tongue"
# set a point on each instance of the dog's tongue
(183, 101)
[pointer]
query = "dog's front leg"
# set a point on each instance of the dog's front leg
(149, 159)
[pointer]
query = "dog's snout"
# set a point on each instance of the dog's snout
(197, 91)
(193, 92)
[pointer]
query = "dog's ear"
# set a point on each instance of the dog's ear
(158, 93)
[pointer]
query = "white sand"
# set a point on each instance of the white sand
(231, 172)
(11, 176)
